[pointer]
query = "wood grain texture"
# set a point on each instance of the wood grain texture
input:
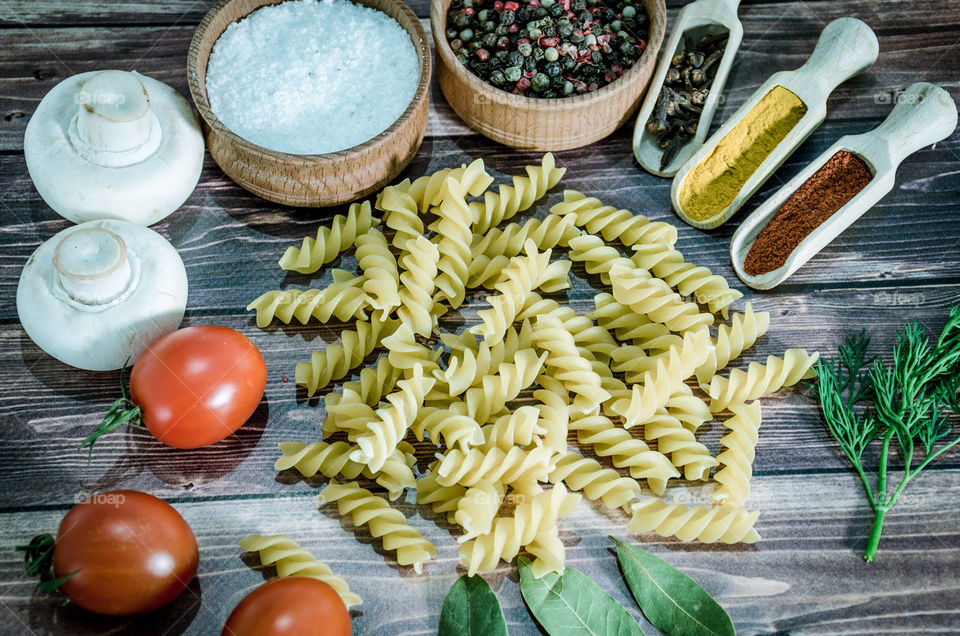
(897, 262)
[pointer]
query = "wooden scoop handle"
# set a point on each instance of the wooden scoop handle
(846, 47)
(924, 114)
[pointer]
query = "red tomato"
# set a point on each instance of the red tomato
(131, 552)
(293, 606)
(198, 385)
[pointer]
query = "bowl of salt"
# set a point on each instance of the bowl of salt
(311, 103)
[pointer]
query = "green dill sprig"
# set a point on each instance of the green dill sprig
(909, 402)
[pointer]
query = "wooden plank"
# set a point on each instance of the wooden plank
(48, 409)
(805, 575)
(248, 234)
(38, 59)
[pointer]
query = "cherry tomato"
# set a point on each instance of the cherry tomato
(131, 552)
(292, 606)
(198, 385)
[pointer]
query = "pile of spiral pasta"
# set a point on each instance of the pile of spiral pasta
(615, 379)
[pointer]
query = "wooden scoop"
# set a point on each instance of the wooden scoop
(700, 18)
(846, 47)
(924, 115)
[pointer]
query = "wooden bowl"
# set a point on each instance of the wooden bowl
(544, 124)
(309, 180)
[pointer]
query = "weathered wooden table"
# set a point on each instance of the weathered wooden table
(806, 575)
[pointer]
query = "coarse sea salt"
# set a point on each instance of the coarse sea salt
(312, 76)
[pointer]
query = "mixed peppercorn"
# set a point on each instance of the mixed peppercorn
(547, 48)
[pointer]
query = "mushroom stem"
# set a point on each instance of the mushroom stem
(92, 266)
(114, 126)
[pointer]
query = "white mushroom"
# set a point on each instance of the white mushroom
(98, 293)
(113, 145)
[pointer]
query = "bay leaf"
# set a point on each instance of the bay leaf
(573, 605)
(471, 609)
(671, 600)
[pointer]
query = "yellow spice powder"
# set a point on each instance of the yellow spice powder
(714, 182)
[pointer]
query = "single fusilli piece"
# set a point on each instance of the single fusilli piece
(654, 298)
(736, 461)
(520, 279)
(531, 518)
(292, 560)
(597, 257)
(508, 200)
(441, 499)
(624, 450)
(498, 388)
(554, 406)
(519, 428)
(401, 213)
(381, 279)
(330, 241)
(486, 271)
(668, 264)
(330, 460)
(374, 383)
(565, 363)
(418, 278)
(593, 480)
(728, 524)
(613, 224)
(468, 366)
(669, 375)
(454, 234)
(347, 413)
(427, 190)
(452, 427)
(337, 360)
(689, 409)
(629, 326)
(587, 335)
(686, 453)
(515, 465)
(392, 422)
(760, 379)
(477, 509)
(344, 299)
(405, 353)
(732, 340)
(545, 234)
(385, 522)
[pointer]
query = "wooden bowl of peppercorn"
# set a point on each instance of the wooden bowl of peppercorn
(562, 115)
(310, 180)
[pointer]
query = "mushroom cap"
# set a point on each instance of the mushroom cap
(142, 193)
(102, 336)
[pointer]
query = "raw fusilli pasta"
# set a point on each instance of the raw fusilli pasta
(593, 480)
(343, 299)
(519, 428)
(384, 522)
(477, 509)
(668, 264)
(761, 379)
(292, 560)
(337, 360)
(330, 241)
(565, 364)
(667, 378)
(520, 278)
(613, 224)
(508, 200)
(392, 422)
(685, 451)
(629, 326)
(729, 524)
(381, 279)
(497, 389)
(732, 340)
(454, 428)
(515, 465)
(624, 450)
(548, 233)
(654, 298)
(416, 295)
(736, 461)
(455, 235)
(597, 257)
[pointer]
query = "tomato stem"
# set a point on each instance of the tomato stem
(38, 558)
(121, 412)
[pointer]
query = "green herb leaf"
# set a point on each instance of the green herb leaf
(572, 604)
(471, 609)
(670, 599)
(38, 559)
